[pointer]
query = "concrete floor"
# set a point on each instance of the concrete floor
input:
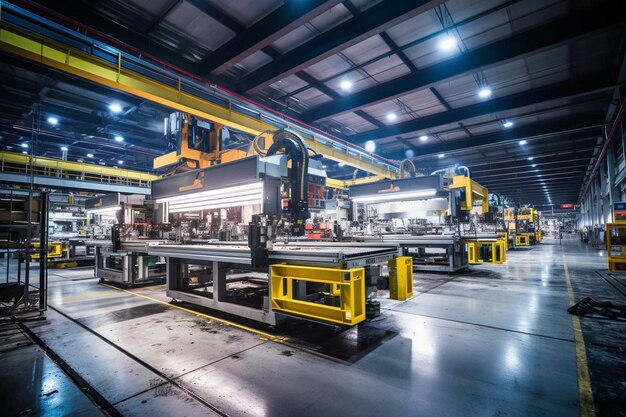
(495, 342)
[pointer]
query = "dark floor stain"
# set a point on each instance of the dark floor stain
(286, 353)
(123, 315)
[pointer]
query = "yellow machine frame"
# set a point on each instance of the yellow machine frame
(55, 250)
(616, 253)
(348, 284)
(473, 192)
(401, 278)
(497, 250)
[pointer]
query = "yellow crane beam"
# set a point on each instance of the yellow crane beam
(83, 65)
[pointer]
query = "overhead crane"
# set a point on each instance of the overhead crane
(55, 46)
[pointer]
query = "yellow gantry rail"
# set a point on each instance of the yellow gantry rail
(473, 192)
(11, 160)
(83, 65)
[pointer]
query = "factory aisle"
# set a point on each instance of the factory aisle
(495, 341)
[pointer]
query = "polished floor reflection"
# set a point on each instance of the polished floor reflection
(494, 341)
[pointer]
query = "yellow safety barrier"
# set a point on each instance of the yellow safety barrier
(347, 284)
(522, 239)
(504, 236)
(538, 237)
(401, 278)
(486, 251)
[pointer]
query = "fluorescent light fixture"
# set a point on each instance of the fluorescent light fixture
(119, 138)
(24, 152)
(507, 124)
(53, 120)
(324, 166)
(522, 142)
(484, 92)
(441, 155)
(240, 195)
(24, 145)
(346, 85)
(370, 146)
(530, 158)
(89, 155)
(391, 117)
(64, 148)
(423, 138)
(104, 210)
(120, 162)
(115, 108)
(533, 165)
(407, 195)
(447, 43)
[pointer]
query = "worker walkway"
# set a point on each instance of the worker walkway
(494, 341)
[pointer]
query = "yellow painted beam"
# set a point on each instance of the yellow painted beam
(80, 64)
(345, 184)
(70, 166)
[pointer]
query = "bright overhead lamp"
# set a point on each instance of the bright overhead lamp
(53, 120)
(119, 138)
(341, 164)
(533, 165)
(409, 153)
(423, 138)
(407, 195)
(324, 166)
(484, 92)
(25, 153)
(64, 148)
(441, 155)
(346, 85)
(447, 43)
(530, 158)
(391, 117)
(507, 124)
(370, 146)
(24, 145)
(120, 162)
(115, 108)
(522, 142)
(89, 155)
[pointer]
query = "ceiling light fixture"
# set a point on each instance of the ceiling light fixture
(522, 142)
(530, 158)
(507, 124)
(64, 148)
(370, 146)
(341, 164)
(53, 120)
(423, 138)
(119, 138)
(115, 108)
(346, 85)
(441, 155)
(447, 43)
(89, 155)
(391, 117)
(24, 152)
(120, 162)
(484, 92)
(533, 165)
(24, 145)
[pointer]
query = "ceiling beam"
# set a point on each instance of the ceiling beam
(499, 52)
(217, 14)
(103, 28)
(366, 24)
(597, 83)
(289, 16)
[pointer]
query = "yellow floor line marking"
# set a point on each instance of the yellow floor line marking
(585, 394)
(264, 335)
